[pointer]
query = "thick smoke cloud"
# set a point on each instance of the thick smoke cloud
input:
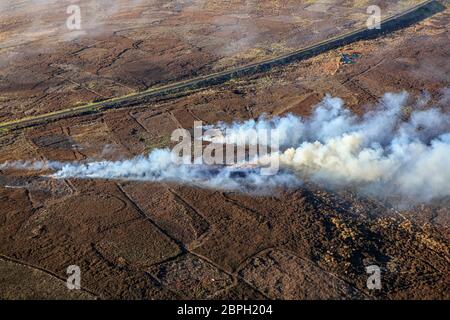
(380, 153)
(390, 151)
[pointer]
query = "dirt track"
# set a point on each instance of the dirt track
(421, 11)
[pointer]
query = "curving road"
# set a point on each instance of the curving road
(414, 14)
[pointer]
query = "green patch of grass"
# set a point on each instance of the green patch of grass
(155, 143)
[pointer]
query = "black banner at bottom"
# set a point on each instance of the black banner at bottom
(225, 309)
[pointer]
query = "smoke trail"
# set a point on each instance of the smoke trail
(390, 151)
(162, 166)
(32, 165)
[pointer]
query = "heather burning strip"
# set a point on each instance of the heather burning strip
(386, 152)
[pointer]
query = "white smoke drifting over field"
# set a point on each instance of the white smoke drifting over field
(379, 153)
(391, 151)
(162, 166)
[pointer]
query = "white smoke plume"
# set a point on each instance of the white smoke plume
(162, 166)
(390, 151)
(380, 153)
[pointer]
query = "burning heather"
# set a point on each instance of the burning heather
(386, 152)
